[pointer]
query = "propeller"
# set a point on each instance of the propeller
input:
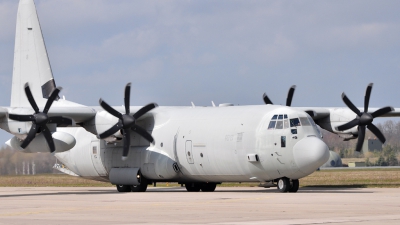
(364, 119)
(40, 119)
(288, 99)
(126, 122)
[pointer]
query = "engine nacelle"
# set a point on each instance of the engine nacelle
(102, 122)
(336, 118)
(62, 141)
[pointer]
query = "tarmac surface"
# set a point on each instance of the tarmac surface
(244, 206)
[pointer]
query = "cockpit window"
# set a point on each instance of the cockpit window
(304, 121)
(294, 122)
(279, 124)
(271, 125)
(285, 124)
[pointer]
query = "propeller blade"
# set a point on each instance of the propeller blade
(59, 120)
(111, 131)
(127, 143)
(51, 99)
(30, 98)
(290, 95)
(382, 111)
(110, 109)
(367, 96)
(127, 98)
(349, 104)
(348, 125)
(142, 132)
(48, 137)
(376, 132)
(144, 110)
(266, 99)
(361, 136)
(30, 137)
(22, 118)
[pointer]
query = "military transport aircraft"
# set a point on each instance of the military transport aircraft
(196, 146)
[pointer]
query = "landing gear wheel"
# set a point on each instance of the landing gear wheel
(123, 188)
(283, 184)
(192, 187)
(294, 187)
(208, 187)
(142, 187)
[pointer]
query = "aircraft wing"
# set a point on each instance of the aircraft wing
(318, 113)
(78, 114)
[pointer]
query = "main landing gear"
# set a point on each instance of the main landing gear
(286, 185)
(142, 187)
(204, 187)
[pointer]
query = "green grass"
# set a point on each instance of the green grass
(357, 178)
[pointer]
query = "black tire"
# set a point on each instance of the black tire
(294, 187)
(192, 187)
(123, 188)
(283, 184)
(208, 187)
(142, 187)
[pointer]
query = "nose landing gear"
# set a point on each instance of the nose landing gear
(286, 185)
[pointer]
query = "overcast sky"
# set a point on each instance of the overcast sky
(175, 52)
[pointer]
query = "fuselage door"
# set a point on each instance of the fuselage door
(96, 158)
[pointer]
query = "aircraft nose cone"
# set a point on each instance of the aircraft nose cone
(309, 154)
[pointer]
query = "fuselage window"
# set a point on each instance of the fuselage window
(304, 121)
(294, 131)
(283, 141)
(294, 122)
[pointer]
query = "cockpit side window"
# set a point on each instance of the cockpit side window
(295, 122)
(304, 121)
(280, 117)
(274, 117)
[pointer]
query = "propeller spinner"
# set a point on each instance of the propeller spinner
(364, 119)
(288, 99)
(126, 122)
(40, 119)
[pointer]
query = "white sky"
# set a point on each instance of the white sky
(175, 52)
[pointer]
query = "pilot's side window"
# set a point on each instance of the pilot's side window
(294, 122)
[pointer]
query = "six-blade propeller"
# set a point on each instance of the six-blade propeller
(288, 99)
(126, 122)
(364, 119)
(40, 119)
